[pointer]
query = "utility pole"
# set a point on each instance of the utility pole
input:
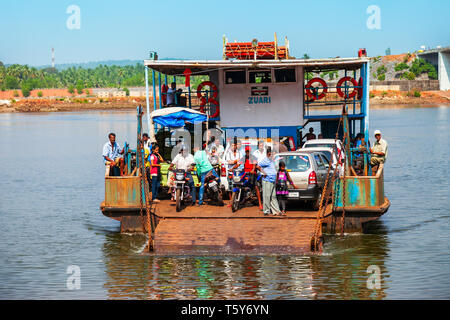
(53, 58)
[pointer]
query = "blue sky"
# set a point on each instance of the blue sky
(193, 29)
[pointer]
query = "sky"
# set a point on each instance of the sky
(193, 29)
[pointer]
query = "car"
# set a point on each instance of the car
(327, 143)
(328, 152)
(308, 170)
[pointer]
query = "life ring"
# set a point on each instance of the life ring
(308, 88)
(339, 89)
(360, 90)
(164, 90)
(211, 100)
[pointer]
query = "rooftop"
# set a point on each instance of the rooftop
(177, 67)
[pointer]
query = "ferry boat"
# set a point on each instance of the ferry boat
(259, 91)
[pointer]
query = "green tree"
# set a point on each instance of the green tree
(401, 66)
(40, 94)
(11, 83)
(71, 89)
(80, 87)
(26, 90)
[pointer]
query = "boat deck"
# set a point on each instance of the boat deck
(166, 209)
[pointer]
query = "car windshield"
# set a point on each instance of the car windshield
(295, 163)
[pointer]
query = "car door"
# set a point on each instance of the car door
(321, 169)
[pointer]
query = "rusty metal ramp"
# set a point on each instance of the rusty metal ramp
(216, 230)
(221, 235)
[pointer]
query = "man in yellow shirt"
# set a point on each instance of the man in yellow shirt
(378, 152)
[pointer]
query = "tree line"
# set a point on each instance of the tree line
(27, 78)
(18, 76)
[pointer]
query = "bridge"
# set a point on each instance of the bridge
(440, 58)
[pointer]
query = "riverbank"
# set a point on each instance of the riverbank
(378, 99)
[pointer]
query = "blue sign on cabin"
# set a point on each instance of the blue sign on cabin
(257, 100)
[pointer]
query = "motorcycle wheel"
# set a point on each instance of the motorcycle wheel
(234, 202)
(220, 197)
(178, 197)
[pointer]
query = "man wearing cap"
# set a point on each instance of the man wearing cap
(378, 152)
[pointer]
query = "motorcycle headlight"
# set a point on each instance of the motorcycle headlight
(180, 176)
(236, 178)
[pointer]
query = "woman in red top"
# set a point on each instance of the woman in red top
(155, 171)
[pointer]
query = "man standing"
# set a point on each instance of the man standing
(233, 155)
(378, 153)
(146, 141)
(203, 168)
(219, 147)
(267, 168)
(111, 155)
(171, 95)
(184, 161)
(260, 153)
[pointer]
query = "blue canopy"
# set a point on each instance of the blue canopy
(176, 117)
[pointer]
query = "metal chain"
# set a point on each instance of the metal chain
(144, 180)
(324, 199)
(344, 183)
(141, 182)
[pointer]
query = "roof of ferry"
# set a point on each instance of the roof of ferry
(177, 67)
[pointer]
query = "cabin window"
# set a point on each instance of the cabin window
(260, 76)
(319, 162)
(236, 76)
(285, 75)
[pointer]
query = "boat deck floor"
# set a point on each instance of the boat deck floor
(167, 209)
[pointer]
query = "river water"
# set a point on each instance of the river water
(52, 184)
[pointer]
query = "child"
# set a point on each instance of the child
(281, 186)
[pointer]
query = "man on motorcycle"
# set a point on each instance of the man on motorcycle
(184, 161)
(250, 163)
(203, 168)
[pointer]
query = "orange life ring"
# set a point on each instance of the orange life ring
(308, 88)
(339, 89)
(360, 90)
(211, 99)
(164, 89)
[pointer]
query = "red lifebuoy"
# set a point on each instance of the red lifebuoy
(339, 89)
(308, 88)
(211, 100)
(360, 90)
(164, 89)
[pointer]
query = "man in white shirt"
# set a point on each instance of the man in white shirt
(219, 147)
(233, 155)
(184, 161)
(260, 153)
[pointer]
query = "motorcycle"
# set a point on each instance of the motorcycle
(243, 189)
(182, 191)
(213, 189)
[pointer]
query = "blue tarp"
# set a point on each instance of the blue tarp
(179, 118)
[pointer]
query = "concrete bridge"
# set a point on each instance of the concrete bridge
(440, 58)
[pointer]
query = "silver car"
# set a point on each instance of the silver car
(308, 171)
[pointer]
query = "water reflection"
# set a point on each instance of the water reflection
(340, 274)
